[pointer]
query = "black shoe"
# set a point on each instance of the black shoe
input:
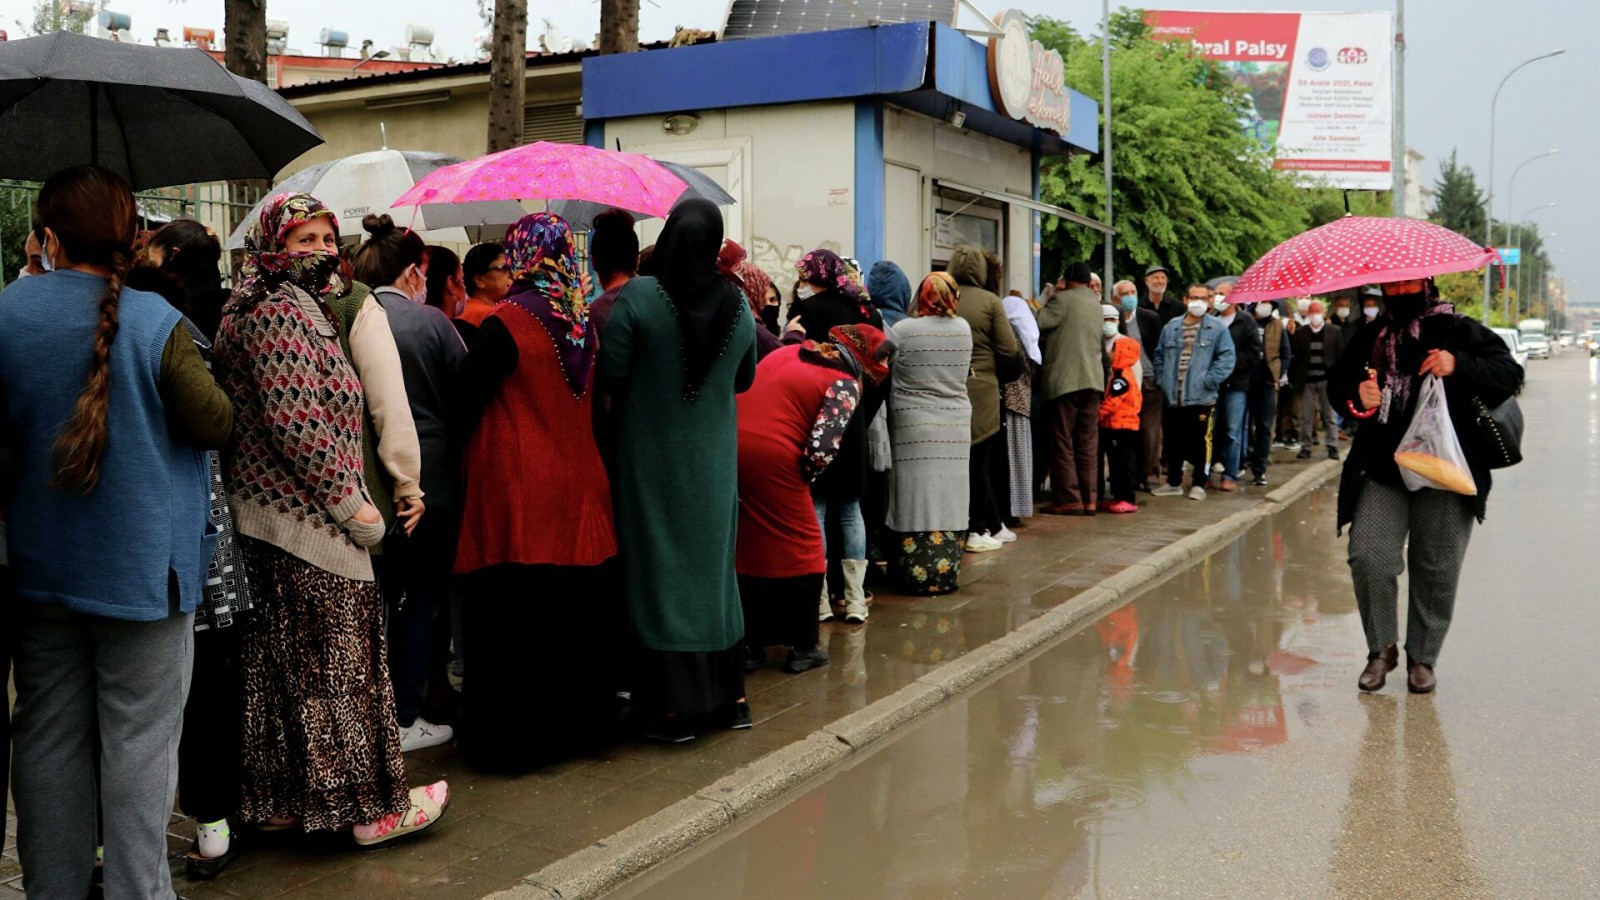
(1259, 481)
(1333, 452)
(1305, 453)
(798, 661)
(670, 730)
(754, 658)
(740, 721)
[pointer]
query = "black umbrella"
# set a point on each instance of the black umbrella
(158, 115)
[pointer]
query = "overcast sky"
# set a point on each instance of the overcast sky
(1459, 50)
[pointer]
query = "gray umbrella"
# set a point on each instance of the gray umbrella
(580, 213)
(157, 115)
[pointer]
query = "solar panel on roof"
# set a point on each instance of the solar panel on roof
(765, 18)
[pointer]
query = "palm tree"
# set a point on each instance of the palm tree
(508, 63)
(619, 26)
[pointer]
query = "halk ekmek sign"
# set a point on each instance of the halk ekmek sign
(1028, 82)
(1320, 85)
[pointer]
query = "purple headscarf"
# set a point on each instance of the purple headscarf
(827, 269)
(542, 261)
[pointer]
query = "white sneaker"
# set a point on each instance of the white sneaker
(1216, 468)
(1166, 490)
(424, 734)
(980, 543)
(1005, 535)
(1197, 493)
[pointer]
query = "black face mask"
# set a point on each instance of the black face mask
(769, 317)
(1405, 307)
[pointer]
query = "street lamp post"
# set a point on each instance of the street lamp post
(1511, 322)
(1105, 135)
(1488, 202)
(1511, 187)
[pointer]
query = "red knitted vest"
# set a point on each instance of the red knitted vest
(536, 491)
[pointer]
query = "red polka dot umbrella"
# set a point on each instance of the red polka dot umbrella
(1354, 251)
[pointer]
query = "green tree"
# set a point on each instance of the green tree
(1191, 191)
(1457, 200)
(52, 15)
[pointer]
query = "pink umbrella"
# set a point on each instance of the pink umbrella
(545, 171)
(1354, 251)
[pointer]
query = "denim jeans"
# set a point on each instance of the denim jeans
(851, 525)
(1229, 432)
(1263, 416)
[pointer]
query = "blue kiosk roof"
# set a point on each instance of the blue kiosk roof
(922, 66)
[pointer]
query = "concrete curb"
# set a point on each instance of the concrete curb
(608, 864)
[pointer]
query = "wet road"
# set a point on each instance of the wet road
(1207, 739)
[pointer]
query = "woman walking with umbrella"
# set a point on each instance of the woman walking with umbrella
(1379, 378)
(1382, 373)
(679, 345)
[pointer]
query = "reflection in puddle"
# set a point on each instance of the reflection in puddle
(1098, 746)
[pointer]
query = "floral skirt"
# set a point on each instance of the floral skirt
(320, 741)
(925, 562)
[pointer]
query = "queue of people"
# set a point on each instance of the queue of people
(358, 468)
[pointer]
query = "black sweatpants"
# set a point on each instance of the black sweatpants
(208, 751)
(1184, 430)
(1122, 451)
(989, 476)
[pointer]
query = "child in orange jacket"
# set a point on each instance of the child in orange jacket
(1120, 444)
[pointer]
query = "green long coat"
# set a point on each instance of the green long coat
(676, 475)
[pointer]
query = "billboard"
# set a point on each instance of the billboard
(1320, 86)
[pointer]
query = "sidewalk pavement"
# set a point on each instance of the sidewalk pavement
(501, 829)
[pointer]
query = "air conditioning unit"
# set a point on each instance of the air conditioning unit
(202, 38)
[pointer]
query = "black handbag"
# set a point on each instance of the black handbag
(1499, 432)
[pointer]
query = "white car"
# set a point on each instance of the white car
(1513, 339)
(1536, 345)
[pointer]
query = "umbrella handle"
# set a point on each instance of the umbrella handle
(1363, 413)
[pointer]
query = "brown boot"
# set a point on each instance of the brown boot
(1379, 665)
(1419, 677)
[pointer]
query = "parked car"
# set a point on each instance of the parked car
(1513, 339)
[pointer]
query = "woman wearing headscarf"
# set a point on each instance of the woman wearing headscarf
(321, 748)
(891, 294)
(679, 346)
(827, 295)
(761, 295)
(108, 414)
(931, 417)
(536, 529)
(1378, 379)
(837, 492)
(791, 424)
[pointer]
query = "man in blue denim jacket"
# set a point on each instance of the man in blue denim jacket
(1194, 357)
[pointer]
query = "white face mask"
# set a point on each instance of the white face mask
(1197, 308)
(1370, 312)
(804, 291)
(1220, 304)
(1302, 305)
(1264, 310)
(1316, 320)
(1342, 312)
(1109, 329)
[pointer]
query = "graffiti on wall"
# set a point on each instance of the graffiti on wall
(779, 264)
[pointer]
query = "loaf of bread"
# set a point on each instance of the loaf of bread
(1446, 475)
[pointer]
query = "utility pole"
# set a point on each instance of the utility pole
(1398, 187)
(1105, 139)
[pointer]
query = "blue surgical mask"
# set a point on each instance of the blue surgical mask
(1130, 302)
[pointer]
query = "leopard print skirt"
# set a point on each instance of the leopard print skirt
(320, 739)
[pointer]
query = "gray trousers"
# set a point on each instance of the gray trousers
(1439, 524)
(76, 673)
(1314, 399)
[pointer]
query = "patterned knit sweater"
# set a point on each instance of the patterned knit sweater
(295, 471)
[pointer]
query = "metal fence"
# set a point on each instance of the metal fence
(218, 205)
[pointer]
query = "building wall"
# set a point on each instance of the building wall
(793, 174)
(936, 150)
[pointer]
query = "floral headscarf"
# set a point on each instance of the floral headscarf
(868, 345)
(269, 264)
(728, 260)
(938, 296)
(755, 284)
(826, 269)
(544, 266)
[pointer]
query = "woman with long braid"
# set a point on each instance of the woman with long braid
(108, 542)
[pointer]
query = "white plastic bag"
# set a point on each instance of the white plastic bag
(1429, 455)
